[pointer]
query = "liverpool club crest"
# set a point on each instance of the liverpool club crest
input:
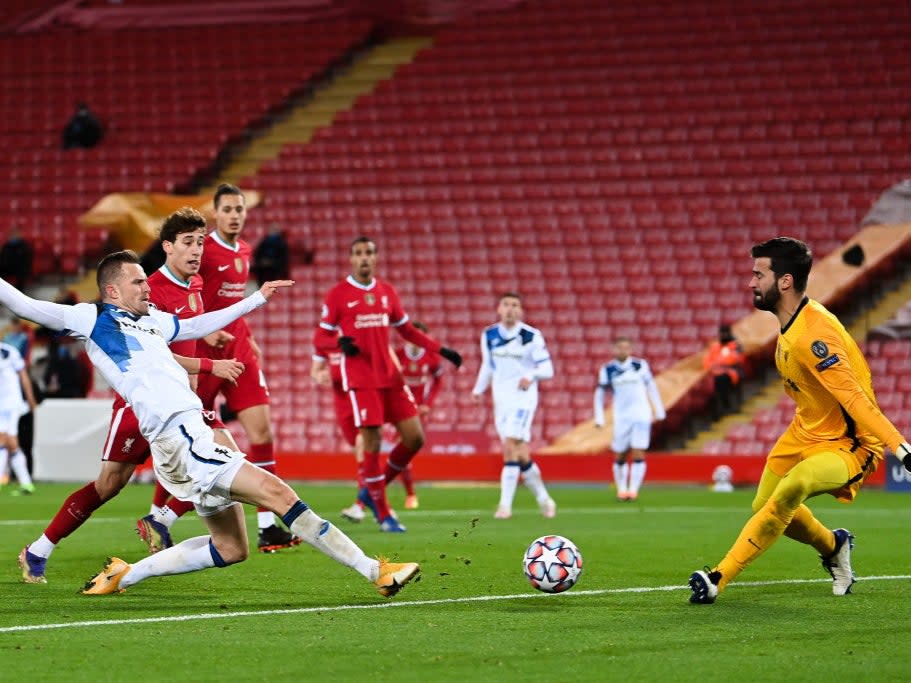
(370, 299)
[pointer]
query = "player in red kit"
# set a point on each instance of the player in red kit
(176, 290)
(225, 270)
(356, 316)
(422, 371)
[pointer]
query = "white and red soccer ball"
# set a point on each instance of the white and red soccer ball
(552, 564)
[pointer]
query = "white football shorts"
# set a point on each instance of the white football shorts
(513, 418)
(191, 466)
(631, 434)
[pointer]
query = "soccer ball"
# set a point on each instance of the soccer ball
(552, 564)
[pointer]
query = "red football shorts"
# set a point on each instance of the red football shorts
(344, 414)
(373, 407)
(124, 442)
(251, 389)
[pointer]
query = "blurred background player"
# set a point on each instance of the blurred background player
(356, 316)
(514, 358)
(635, 397)
(175, 288)
(836, 439)
(225, 270)
(422, 371)
(16, 399)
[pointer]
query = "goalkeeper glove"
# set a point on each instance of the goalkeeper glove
(348, 347)
(903, 453)
(453, 357)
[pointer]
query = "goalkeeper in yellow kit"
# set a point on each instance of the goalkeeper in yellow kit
(836, 439)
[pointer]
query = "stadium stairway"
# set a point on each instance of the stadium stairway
(749, 431)
(339, 93)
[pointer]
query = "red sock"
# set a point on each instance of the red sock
(180, 507)
(376, 484)
(408, 481)
(161, 495)
(263, 455)
(74, 511)
(398, 461)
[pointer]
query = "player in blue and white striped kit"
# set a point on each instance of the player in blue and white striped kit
(635, 395)
(514, 358)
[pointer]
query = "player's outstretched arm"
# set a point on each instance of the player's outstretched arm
(44, 313)
(207, 323)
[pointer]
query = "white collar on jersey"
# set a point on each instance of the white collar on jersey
(355, 283)
(232, 247)
(168, 273)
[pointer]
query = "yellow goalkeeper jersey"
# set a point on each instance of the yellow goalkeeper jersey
(826, 374)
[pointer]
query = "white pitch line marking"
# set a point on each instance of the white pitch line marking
(410, 603)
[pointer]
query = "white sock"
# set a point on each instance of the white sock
(509, 479)
(637, 475)
(42, 547)
(165, 515)
(532, 478)
(327, 538)
(154, 509)
(265, 519)
(19, 465)
(621, 477)
(187, 556)
(4, 462)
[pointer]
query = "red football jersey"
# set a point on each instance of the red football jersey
(225, 270)
(365, 313)
(421, 374)
(183, 299)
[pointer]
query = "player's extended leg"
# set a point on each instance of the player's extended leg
(411, 439)
(76, 509)
(227, 543)
(257, 424)
(818, 474)
(531, 475)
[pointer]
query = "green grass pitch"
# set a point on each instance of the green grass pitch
(295, 615)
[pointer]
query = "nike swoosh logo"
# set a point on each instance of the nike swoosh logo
(221, 268)
(178, 310)
(352, 304)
